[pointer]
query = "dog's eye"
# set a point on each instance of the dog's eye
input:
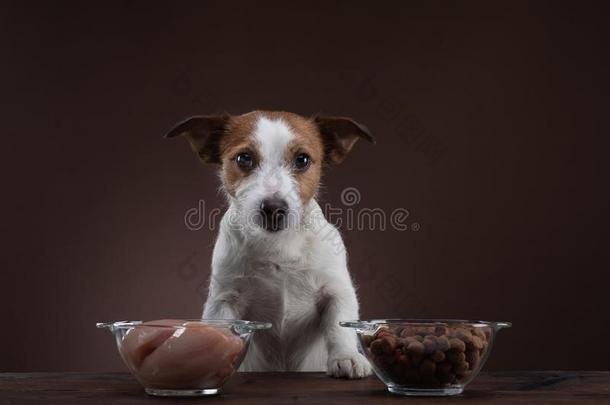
(245, 160)
(302, 161)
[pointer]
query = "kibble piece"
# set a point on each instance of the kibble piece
(400, 342)
(478, 332)
(376, 347)
(456, 357)
(473, 358)
(416, 348)
(464, 335)
(381, 347)
(476, 343)
(443, 343)
(487, 332)
(438, 356)
(427, 367)
(383, 331)
(440, 330)
(410, 339)
(388, 344)
(457, 344)
(430, 344)
(406, 331)
(461, 368)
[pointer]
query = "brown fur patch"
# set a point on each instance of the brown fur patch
(237, 139)
(307, 141)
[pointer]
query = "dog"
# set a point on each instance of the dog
(277, 259)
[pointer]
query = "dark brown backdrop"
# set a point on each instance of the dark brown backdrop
(491, 132)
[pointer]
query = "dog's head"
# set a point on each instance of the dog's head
(271, 162)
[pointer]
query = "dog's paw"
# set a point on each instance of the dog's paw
(348, 365)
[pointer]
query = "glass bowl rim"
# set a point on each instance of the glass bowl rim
(367, 324)
(250, 325)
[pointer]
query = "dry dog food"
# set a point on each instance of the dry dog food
(428, 355)
(194, 355)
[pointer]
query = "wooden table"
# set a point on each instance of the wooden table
(541, 387)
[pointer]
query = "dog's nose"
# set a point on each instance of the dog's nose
(274, 211)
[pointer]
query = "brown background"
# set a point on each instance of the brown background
(490, 127)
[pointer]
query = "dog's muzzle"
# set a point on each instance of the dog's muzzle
(274, 212)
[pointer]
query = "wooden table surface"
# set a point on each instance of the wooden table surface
(542, 387)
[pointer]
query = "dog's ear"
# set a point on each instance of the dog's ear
(203, 133)
(339, 135)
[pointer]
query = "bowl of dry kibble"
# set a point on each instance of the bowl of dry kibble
(426, 356)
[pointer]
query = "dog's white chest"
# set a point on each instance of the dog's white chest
(281, 293)
(284, 294)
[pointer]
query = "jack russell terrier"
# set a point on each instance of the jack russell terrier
(277, 259)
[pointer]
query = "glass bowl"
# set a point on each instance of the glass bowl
(183, 357)
(426, 356)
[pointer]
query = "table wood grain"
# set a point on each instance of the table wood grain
(538, 387)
